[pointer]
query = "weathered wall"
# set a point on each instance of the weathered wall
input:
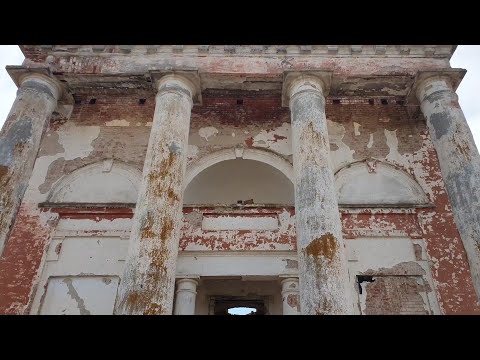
(116, 126)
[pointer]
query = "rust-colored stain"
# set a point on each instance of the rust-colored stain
(158, 257)
(147, 229)
(172, 196)
(325, 246)
(3, 174)
(293, 301)
(249, 142)
(278, 137)
(154, 309)
(325, 308)
(167, 228)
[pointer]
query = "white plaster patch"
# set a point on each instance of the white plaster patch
(77, 140)
(370, 142)
(80, 295)
(117, 123)
(277, 140)
(356, 127)
(343, 155)
(239, 222)
(192, 152)
(392, 143)
(207, 132)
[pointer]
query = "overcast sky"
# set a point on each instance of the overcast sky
(466, 56)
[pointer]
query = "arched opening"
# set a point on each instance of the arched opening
(239, 181)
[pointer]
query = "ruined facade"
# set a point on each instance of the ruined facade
(192, 179)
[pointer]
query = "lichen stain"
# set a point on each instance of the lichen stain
(153, 309)
(147, 228)
(325, 246)
(172, 196)
(325, 308)
(3, 174)
(166, 229)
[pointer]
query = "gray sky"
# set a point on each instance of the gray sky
(466, 56)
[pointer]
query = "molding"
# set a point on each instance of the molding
(435, 51)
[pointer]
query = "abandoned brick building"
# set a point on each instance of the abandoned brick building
(188, 179)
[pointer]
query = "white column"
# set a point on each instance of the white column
(290, 296)
(185, 297)
(20, 139)
(324, 283)
(148, 282)
(458, 157)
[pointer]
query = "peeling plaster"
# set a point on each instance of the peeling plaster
(117, 123)
(207, 132)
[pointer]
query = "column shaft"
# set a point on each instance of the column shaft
(20, 140)
(185, 297)
(148, 282)
(322, 265)
(459, 162)
(290, 297)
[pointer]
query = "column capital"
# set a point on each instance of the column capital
(189, 80)
(444, 78)
(313, 80)
(42, 78)
(290, 284)
(189, 284)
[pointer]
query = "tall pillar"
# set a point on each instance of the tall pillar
(20, 139)
(322, 266)
(290, 296)
(457, 154)
(148, 282)
(185, 297)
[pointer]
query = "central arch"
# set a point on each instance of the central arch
(264, 156)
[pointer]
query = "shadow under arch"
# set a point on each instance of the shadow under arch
(264, 156)
(233, 176)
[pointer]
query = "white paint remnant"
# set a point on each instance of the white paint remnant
(77, 140)
(207, 132)
(148, 124)
(278, 140)
(192, 152)
(370, 142)
(356, 127)
(239, 222)
(117, 123)
(343, 155)
(392, 143)
(233, 134)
